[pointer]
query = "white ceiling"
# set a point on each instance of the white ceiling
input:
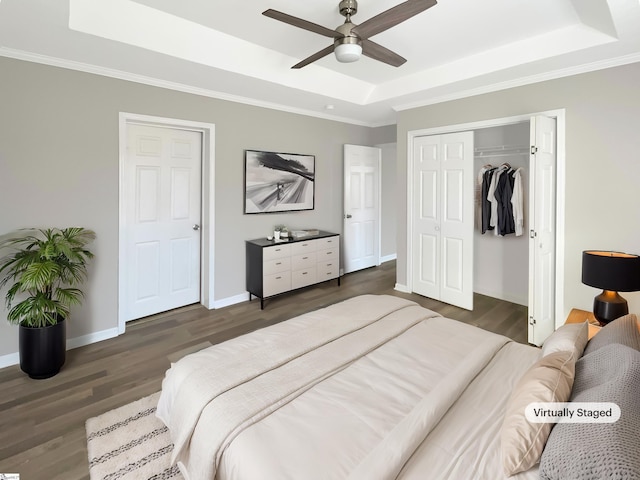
(228, 49)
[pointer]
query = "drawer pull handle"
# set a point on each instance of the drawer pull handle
(277, 249)
(304, 273)
(278, 263)
(329, 253)
(304, 258)
(278, 278)
(329, 264)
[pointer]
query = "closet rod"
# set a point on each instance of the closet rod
(501, 150)
(495, 155)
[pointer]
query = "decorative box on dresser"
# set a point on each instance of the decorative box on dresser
(278, 267)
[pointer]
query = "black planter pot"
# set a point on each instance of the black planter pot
(43, 349)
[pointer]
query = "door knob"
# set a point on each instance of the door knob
(347, 216)
(196, 227)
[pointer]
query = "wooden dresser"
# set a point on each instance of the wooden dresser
(278, 267)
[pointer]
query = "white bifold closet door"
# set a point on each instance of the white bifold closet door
(542, 248)
(443, 215)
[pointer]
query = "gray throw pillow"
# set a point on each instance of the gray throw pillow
(623, 330)
(592, 451)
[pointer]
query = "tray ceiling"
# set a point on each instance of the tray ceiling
(230, 50)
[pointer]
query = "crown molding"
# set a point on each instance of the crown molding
(156, 82)
(522, 81)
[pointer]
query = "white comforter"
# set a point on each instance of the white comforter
(351, 391)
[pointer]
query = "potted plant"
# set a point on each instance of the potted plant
(42, 270)
(280, 231)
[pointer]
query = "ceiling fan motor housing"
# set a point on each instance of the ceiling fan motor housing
(345, 35)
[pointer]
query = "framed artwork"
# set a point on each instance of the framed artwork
(278, 182)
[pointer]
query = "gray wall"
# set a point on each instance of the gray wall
(501, 263)
(59, 167)
(602, 167)
(386, 140)
(389, 198)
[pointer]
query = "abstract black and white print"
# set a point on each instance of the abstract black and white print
(278, 182)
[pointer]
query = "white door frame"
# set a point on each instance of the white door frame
(559, 115)
(378, 231)
(207, 271)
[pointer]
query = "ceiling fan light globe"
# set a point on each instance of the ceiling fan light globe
(348, 52)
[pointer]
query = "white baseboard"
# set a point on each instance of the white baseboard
(402, 288)
(94, 337)
(388, 258)
(14, 358)
(225, 302)
(10, 359)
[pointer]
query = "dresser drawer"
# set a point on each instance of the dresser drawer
(277, 251)
(276, 265)
(328, 242)
(298, 248)
(327, 270)
(328, 253)
(276, 283)
(302, 278)
(303, 260)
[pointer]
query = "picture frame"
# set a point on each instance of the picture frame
(278, 182)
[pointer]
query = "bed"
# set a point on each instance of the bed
(376, 387)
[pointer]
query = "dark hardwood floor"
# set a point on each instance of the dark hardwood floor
(42, 431)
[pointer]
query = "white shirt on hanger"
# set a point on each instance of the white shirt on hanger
(517, 202)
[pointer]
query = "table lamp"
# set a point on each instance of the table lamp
(613, 272)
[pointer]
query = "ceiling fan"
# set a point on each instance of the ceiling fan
(351, 40)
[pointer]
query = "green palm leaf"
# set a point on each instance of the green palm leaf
(44, 265)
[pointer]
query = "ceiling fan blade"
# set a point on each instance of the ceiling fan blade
(316, 56)
(300, 23)
(378, 52)
(392, 17)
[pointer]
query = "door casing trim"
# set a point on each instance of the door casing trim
(560, 116)
(207, 240)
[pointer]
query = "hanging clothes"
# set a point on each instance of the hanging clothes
(491, 196)
(487, 178)
(517, 202)
(479, 197)
(500, 204)
(504, 190)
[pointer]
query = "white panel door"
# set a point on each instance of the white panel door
(542, 235)
(456, 227)
(442, 218)
(426, 216)
(361, 207)
(162, 184)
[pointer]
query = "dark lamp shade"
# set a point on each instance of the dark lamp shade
(615, 271)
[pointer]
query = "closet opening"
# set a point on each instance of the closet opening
(501, 260)
(448, 257)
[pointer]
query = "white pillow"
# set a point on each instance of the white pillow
(572, 337)
(550, 379)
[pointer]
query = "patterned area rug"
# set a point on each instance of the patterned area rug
(130, 443)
